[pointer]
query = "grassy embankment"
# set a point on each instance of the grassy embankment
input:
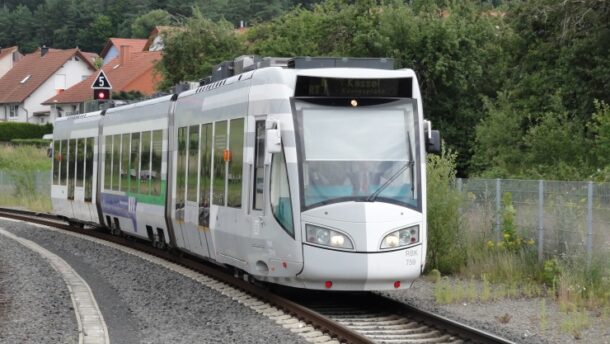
(486, 269)
(20, 164)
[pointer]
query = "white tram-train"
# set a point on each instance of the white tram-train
(305, 172)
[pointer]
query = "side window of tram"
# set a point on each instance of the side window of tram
(280, 194)
(71, 168)
(134, 163)
(259, 166)
(57, 157)
(107, 162)
(80, 162)
(63, 165)
(155, 173)
(220, 145)
(145, 161)
(192, 163)
(116, 161)
(181, 173)
(235, 159)
(205, 159)
(124, 173)
(88, 169)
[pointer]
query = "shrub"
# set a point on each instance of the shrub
(445, 246)
(31, 142)
(10, 131)
(511, 240)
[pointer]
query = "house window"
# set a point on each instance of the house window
(60, 81)
(13, 110)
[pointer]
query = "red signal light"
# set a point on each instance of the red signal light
(101, 94)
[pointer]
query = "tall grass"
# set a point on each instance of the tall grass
(20, 163)
(24, 158)
(508, 267)
(446, 246)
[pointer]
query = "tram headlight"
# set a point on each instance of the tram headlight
(327, 237)
(401, 237)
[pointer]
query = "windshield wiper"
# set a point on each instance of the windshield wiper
(409, 163)
(375, 194)
(412, 170)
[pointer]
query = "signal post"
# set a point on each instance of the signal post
(101, 88)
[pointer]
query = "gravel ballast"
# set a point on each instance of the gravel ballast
(145, 303)
(141, 302)
(522, 320)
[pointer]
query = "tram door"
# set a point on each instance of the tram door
(258, 181)
(192, 184)
(80, 172)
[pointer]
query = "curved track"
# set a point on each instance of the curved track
(342, 317)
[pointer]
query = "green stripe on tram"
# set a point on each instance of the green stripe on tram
(151, 199)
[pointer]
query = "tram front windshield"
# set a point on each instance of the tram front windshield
(359, 154)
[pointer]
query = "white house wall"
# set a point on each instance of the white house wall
(75, 72)
(6, 64)
(112, 53)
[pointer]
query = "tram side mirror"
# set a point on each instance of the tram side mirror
(433, 138)
(434, 142)
(273, 136)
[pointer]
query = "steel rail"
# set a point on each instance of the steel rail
(324, 324)
(321, 322)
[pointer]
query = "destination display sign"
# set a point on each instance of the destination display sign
(311, 86)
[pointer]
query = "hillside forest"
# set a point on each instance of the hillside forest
(519, 89)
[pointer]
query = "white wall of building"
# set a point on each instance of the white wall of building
(71, 73)
(6, 64)
(112, 53)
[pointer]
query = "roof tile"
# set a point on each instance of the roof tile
(136, 45)
(120, 78)
(39, 68)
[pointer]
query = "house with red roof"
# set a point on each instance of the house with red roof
(130, 71)
(112, 49)
(8, 58)
(156, 36)
(37, 77)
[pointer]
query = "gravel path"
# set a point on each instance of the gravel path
(32, 307)
(141, 302)
(520, 320)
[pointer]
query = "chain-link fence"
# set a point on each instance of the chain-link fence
(562, 217)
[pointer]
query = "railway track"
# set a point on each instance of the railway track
(320, 316)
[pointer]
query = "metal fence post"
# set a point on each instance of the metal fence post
(498, 207)
(540, 221)
(589, 223)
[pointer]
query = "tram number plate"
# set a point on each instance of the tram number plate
(412, 257)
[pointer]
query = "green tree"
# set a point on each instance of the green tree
(456, 52)
(22, 21)
(556, 148)
(499, 138)
(6, 38)
(600, 128)
(144, 24)
(94, 37)
(191, 53)
(253, 10)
